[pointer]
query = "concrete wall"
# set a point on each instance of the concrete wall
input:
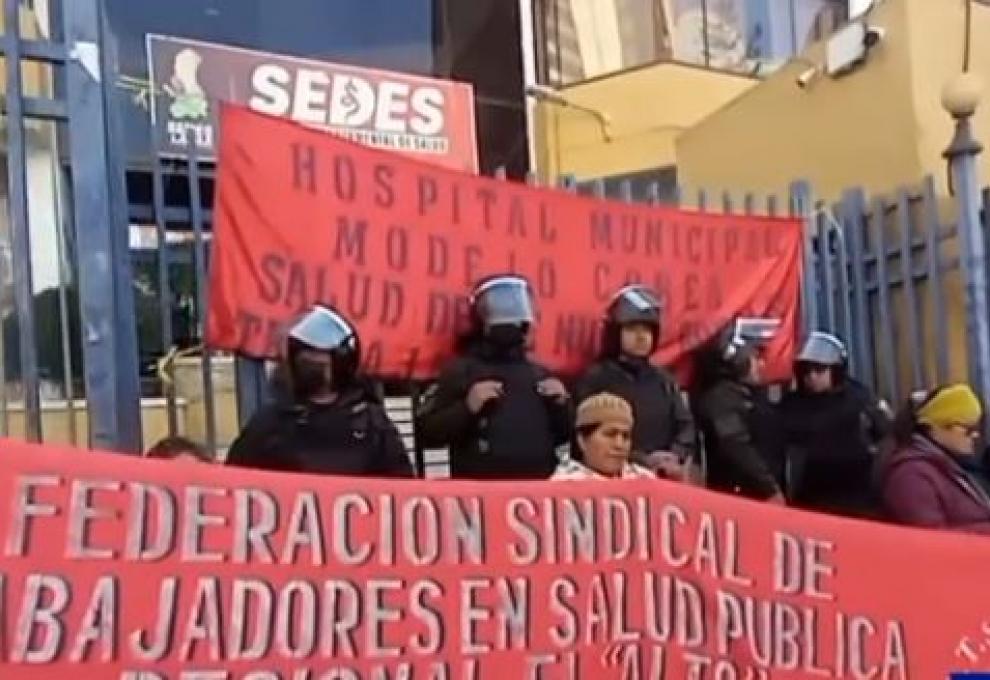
(56, 421)
(188, 372)
(649, 107)
(190, 407)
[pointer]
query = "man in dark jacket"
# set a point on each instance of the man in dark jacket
(663, 437)
(741, 429)
(834, 427)
(334, 423)
(501, 415)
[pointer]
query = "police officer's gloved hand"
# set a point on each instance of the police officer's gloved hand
(552, 388)
(667, 464)
(481, 393)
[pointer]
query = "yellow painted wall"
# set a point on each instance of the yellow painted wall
(35, 77)
(879, 127)
(649, 107)
(188, 375)
(835, 133)
(190, 409)
(935, 31)
(55, 421)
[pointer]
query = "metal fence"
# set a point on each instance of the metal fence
(884, 273)
(65, 194)
(108, 350)
(884, 268)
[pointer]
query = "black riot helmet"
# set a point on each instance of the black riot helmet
(634, 303)
(323, 329)
(739, 342)
(823, 349)
(503, 300)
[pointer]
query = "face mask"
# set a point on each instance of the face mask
(310, 377)
(507, 336)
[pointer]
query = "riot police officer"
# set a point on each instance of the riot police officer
(501, 415)
(663, 437)
(332, 422)
(741, 429)
(834, 427)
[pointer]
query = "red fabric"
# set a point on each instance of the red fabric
(299, 576)
(396, 245)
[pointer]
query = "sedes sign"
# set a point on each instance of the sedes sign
(426, 118)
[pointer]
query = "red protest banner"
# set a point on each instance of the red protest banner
(396, 245)
(121, 568)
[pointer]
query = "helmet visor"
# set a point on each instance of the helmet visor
(505, 300)
(755, 331)
(639, 298)
(635, 304)
(323, 329)
(823, 349)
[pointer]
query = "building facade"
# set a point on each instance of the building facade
(655, 69)
(439, 38)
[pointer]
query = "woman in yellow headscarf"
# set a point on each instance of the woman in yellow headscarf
(925, 482)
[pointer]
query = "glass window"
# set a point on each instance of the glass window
(581, 40)
(587, 39)
(388, 34)
(372, 33)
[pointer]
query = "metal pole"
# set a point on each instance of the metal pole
(105, 301)
(707, 49)
(4, 406)
(202, 295)
(528, 41)
(963, 153)
(252, 388)
(164, 284)
(19, 226)
(802, 207)
(64, 282)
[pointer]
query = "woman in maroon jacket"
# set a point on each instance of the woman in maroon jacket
(924, 482)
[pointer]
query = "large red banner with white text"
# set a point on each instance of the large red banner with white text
(396, 245)
(114, 567)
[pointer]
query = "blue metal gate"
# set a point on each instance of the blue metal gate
(884, 273)
(72, 98)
